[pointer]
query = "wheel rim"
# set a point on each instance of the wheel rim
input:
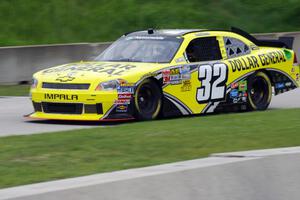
(146, 100)
(259, 91)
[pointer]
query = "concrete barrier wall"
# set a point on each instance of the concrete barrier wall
(17, 64)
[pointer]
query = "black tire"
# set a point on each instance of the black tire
(147, 100)
(259, 91)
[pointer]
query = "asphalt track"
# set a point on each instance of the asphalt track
(12, 110)
(271, 174)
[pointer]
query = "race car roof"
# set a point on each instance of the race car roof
(181, 32)
(163, 32)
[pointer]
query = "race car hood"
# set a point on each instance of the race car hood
(96, 71)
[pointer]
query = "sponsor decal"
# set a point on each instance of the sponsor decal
(125, 88)
(283, 86)
(238, 96)
(122, 102)
(202, 34)
(244, 99)
(239, 99)
(125, 84)
(242, 86)
(185, 72)
(176, 75)
(144, 38)
(236, 100)
(174, 80)
(187, 86)
(125, 96)
(272, 58)
(166, 76)
(244, 63)
(106, 68)
(234, 85)
(234, 93)
(61, 96)
(288, 84)
(122, 108)
(252, 62)
(65, 78)
(279, 85)
(125, 93)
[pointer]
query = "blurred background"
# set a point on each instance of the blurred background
(27, 22)
(84, 28)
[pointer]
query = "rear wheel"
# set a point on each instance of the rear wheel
(259, 91)
(147, 100)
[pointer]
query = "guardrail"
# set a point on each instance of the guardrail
(17, 64)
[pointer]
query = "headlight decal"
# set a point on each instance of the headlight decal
(110, 85)
(34, 83)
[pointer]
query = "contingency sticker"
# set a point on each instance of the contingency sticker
(176, 75)
(238, 93)
(125, 93)
(121, 108)
(187, 86)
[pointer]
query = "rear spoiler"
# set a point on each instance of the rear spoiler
(282, 42)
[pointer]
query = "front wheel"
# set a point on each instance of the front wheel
(147, 100)
(259, 91)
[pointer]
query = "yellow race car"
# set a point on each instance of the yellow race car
(153, 73)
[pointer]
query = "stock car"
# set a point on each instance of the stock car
(157, 73)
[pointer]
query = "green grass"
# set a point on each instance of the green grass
(36, 158)
(14, 90)
(56, 21)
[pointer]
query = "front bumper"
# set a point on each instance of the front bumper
(78, 105)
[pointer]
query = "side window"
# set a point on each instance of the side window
(203, 49)
(235, 47)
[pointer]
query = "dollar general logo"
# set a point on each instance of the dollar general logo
(65, 78)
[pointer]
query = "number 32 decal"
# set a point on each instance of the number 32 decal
(213, 82)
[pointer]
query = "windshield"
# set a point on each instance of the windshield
(153, 49)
